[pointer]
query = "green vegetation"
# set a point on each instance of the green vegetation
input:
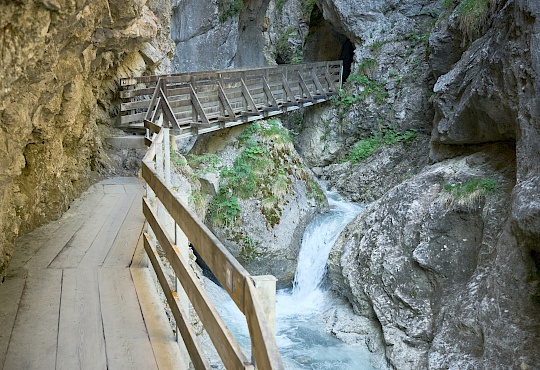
(314, 191)
(229, 8)
(467, 194)
(417, 38)
(204, 163)
(260, 169)
(367, 67)
(364, 148)
(286, 51)
(248, 251)
(472, 16)
(279, 5)
(224, 209)
(345, 100)
(375, 46)
(307, 7)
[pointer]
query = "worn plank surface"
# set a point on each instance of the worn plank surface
(127, 342)
(69, 300)
(33, 340)
(81, 344)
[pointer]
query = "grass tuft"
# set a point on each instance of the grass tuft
(468, 194)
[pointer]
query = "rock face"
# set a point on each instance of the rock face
(217, 35)
(455, 284)
(447, 283)
(61, 61)
(265, 200)
(202, 41)
(390, 79)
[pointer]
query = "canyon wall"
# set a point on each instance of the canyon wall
(448, 270)
(61, 61)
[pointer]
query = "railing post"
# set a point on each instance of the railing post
(266, 290)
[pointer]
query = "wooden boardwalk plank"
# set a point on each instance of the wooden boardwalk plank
(69, 223)
(126, 339)
(101, 245)
(75, 249)
(121, 252)
(10, 296)
(162, 338)
(81, 343)
(34, 338)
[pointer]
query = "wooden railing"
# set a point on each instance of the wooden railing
(167, 216)
(206, 101)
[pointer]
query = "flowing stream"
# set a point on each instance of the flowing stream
(301, 338)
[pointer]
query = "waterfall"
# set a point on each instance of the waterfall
(301, 338)
(319, 238)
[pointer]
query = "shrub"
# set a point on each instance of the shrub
(224, 209)
(364, 148)
(229, 8)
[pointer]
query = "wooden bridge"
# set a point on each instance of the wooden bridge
(200, 102)
(78, 293)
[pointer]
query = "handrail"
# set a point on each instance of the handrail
(233, 277)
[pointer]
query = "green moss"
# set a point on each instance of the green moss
(370, 88)
(263, 169)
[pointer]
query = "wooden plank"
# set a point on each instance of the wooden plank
(151, 126)
(263, 342)
(10, 295)
(225, 267)
(122, 249)
(34, 339)
(166, 350)
(81, 344)
(75, 249)
(132, 118)
(71, 222)
(247, 96)
(230, 352)
(128, 94)
(137, 104)
(197, 106)
(288, 92)
(126, 339)
(103, 242)
(168, 113)
(305, 91)
(225, 101)
(182, 319)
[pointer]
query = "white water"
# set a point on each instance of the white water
(301, 338)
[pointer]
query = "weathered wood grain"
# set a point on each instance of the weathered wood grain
(126, 339)
(33, 341)
(81, 344)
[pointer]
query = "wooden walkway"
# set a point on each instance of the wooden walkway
(201, 102)
(76, 295)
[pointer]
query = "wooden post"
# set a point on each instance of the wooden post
(266, 290)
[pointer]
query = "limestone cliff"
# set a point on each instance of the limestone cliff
(60, 65)
(446, 263)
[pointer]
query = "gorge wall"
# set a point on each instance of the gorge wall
(448, 270)
(60, 65)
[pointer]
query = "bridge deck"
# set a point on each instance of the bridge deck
(76, 295)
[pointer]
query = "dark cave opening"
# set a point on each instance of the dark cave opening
(325, 42)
